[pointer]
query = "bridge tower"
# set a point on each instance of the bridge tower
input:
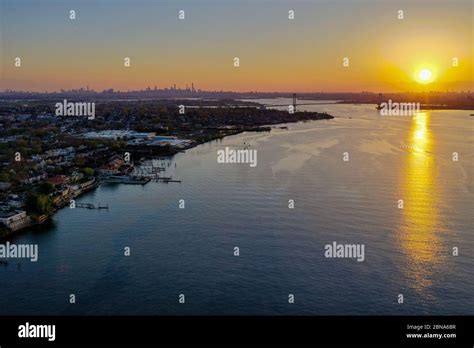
(294, 102)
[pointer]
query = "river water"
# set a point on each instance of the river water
(190, 251)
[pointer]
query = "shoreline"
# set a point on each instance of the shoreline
(48, 217)
(45, 218)
(264, 127)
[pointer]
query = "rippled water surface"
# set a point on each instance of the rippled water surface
(190, 251)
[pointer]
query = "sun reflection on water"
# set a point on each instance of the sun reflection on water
(419, 236)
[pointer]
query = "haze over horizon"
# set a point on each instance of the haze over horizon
(140, 89)
(276, 54)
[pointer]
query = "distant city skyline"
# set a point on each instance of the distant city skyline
(199, 90)
(276, 54)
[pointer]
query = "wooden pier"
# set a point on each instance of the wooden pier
(167, 179)
(91, 206)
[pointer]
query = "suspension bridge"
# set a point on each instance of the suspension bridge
(294, 103)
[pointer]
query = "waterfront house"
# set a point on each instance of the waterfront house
(88, 184)
(76, 175)
(62, 197)
(58, 180)
(14, 220)
(15, 201)
(113, 166)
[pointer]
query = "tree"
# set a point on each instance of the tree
(39, 203)
(30, 201)
(43, 204)
(46, 188)
(88, 172)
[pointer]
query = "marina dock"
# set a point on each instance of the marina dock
(123, 179)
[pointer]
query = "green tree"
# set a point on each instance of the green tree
(44, 204)
(46, 188)
(88, 171)
(39, 203)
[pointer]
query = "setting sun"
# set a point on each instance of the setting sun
(425, 76)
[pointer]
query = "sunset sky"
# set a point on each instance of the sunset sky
(276, 54)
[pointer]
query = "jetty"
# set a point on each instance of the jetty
(92, 206)
(167, 179)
